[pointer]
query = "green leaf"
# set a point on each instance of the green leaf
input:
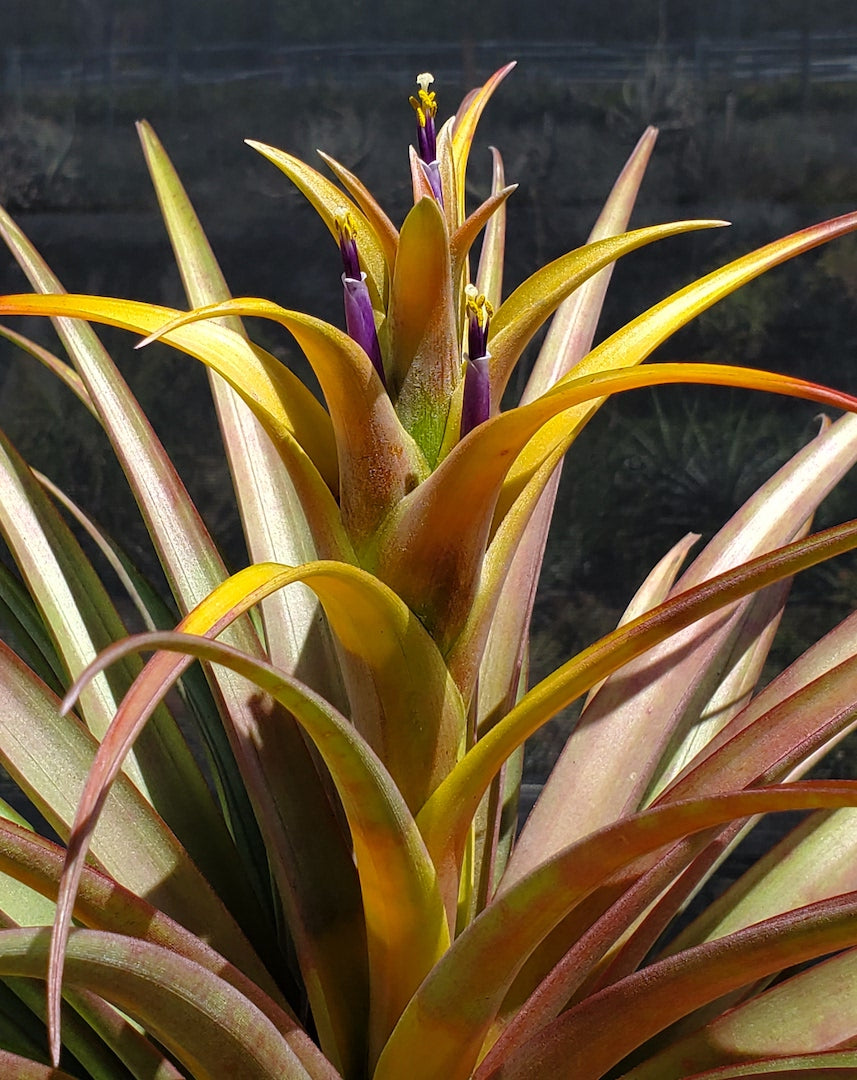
(209, 1026)
(275, 522)
(827, 1066)
(82, 621)
(50, 766)
(103, 904)
(424, 339)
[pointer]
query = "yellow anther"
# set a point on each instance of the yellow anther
(478, 306)
(425, 103)
(345, 226)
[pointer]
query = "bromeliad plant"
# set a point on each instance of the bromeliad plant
(346, 897)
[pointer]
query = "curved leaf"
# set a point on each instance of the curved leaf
(489, 276)
(536, 299)
(103, 904)
(443, 1027)
(207, 1024)
(378, 460)
(635, 341)
(406, 924)
(385, 231)
(50, 766)
(330, 204)
(445, 818)
(463, 238)
(430, 552)
(286, 409)
(464, 128)
(601, 1030)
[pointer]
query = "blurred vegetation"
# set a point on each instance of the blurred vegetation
(86, 22)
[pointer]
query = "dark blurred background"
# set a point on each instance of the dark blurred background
(755, 100)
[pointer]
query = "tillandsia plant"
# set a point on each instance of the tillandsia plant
(335, 888)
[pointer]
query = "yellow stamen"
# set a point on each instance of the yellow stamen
(345, 226)
(425, 103)
(478, 306)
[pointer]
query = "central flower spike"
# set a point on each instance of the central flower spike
(359, 317)
(425, 106)
(477, 389)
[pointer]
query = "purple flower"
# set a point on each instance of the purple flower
(425, 106)
(359, 317)
(476, 405)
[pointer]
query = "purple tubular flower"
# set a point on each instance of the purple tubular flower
(476, 403)
(425, 106)
(477, 395)
(359, 317)
(360, 321)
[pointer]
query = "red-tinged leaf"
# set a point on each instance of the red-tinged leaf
(666, 691)
(430, 552)
(406, 924)
(635, 341)
(95, 1033)
(319, 888)
(286, 409)
(572, 328)
(208, 1025)
(463, 238)
(464, 129)
(489, 276)
(330, 204)
(445, 818)
(423, 327)
(535, 300)
(81, 619)
(50, 766)
(103, 904)
(420, 184)
(14, 1067)
(386, 232)
(599, 1032)
(832, 1065)
(443, 1027)
(514, 560)
(275, 522)
(378, 460)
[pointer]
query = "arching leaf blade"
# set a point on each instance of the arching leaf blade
(206, 1023)
(445, 818)
(536, 299)
(448, 1017)
(406, 923)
